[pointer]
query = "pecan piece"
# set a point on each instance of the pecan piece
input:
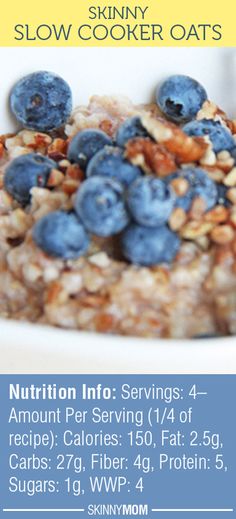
(150, 156)
(58, 149)
(186, 149)
(222, 234)
(106, 126)
(219, 214)
(210, 110)
(1, 150)
(193, 230)
(177, 219)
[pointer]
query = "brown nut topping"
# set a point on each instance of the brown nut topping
(214, 173)
(185, 148)
(58, 149)
(198, 208)
(70, 186)
(193, 230)
(233, 216)
(231, 195)
(218, 214)
(107, 127)
(230, 179)
(74, 172)
(222, 234)
(180, 186)
(177, 219)
(150, 156)
(55, 178)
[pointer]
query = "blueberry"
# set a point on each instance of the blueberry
(233, 153)
(200, 185)
(100, 205)
(25, 172)
(61, 234)
(86, 144)
(222, 195)
(150, 201)
(130, 129)
(41, 101)
(149, 246)
(111, 163)
(180, 98)
(219, 135)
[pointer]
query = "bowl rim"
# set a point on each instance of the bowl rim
(34, 348)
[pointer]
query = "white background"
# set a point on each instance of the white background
(131, 71)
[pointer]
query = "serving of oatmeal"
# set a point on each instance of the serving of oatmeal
(119, 218)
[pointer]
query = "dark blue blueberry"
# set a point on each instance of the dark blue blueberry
(149, 246)
(222, 195)
(86, 144)
(233, 153)
(25, 172)
(200, 185)
(100, 205)
(180, 98)
(111, 163)
(219, 135)
(130, 129)
(150, 201)
(41, 101)
(61, 234)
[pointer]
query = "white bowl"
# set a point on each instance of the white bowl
(134, 72)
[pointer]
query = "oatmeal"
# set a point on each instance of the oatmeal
(119, 218)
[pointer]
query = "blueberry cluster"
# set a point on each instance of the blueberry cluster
(116, 197)
(180, 98)
(140, 212)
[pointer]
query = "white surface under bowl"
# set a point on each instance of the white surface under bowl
(134, 72)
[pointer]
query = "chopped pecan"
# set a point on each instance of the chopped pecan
(6, 136)
(233, 216)
(106, 126)
(222, 234)
(58, 149)
(150, 156)
(70, 186)
(55, 178)
(230, 179)
(210, 110)
(214, 173)
(39, 141)
(198, 208)
(218, 214)
(193, 230)
(55, 294)
(180, 186)
(233, 123)
(94, 300)
(224, 161)
(74, 172)
(209, 158)
(231, 195)
(186, 149)
(177, 219)
(104, 322)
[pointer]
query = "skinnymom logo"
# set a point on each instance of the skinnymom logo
(129, 509)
